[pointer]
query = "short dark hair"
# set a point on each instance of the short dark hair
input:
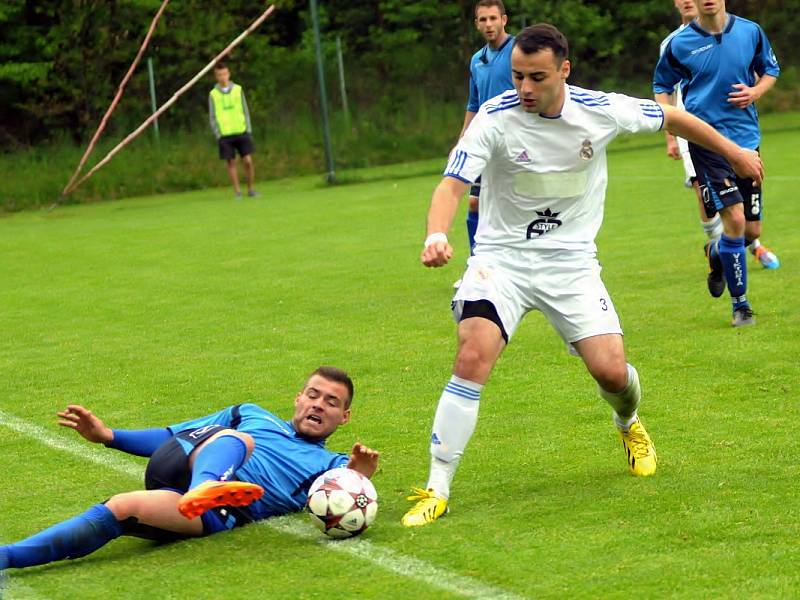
(220, 65)
(488, 3)
(540, 37)
(339, 376)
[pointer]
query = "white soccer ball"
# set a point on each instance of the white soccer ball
(342, 502)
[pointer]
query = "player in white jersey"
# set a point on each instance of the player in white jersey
(678, 149)
(541, 152)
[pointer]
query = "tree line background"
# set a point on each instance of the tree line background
(405, 62)
(62, 59)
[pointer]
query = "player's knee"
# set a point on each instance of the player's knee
(470, 359)
(246, 438)
(612, 376)
(124, 506)
(473, 204)
(734, 221)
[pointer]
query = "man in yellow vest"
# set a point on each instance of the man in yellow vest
(230, 122)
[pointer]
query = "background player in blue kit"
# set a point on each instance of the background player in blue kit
(723, 64)
(241, 455)
(490, 75)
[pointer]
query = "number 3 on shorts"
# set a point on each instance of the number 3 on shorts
(603, 304)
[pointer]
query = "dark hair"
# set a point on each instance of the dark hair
(540, 37)
(488, 3)
(339, 376)
(220, 65)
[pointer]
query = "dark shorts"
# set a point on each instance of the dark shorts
(721, 187)
(475, 190)
(229, 145)
(485, 310)
(168, 468)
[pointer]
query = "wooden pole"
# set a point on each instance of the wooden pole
(175, 96)
(69, 187)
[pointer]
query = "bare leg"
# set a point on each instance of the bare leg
(480, 344)
(249, 171)
(604, 357)
(157, 508)
(234, 175)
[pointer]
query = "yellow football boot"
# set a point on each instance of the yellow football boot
(427, 509)
(639, 449)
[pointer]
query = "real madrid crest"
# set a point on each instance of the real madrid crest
(587, 152)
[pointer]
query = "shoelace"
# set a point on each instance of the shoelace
(419, 494)
(638, 442)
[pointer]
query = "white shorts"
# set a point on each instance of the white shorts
(688, 167)
(565, 286)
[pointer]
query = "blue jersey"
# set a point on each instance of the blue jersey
(283, 462)
(707, 65)
(490, 74)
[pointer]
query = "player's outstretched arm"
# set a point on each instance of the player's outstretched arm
(363, 459)
(89, 426)
(746, 163)
(438, 251)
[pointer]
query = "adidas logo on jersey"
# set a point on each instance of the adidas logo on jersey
(523, 157)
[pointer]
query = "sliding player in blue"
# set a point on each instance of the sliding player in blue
(207, 475)
(723, 64)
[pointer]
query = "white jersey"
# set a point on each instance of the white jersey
(544, 178)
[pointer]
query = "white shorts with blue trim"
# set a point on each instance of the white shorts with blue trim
(565, 286)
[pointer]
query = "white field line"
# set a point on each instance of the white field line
(385, 558)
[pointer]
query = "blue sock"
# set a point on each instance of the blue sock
(218, 459)
(734, 264)
(74, 538)
(3, 558)
(139, 442)
(472, 228)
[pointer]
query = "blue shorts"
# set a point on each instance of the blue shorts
(721, 187)
(168, 469)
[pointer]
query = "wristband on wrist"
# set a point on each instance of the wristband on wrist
(435, 237)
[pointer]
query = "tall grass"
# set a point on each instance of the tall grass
(187, 160)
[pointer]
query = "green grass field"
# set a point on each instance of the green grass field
(153, 310)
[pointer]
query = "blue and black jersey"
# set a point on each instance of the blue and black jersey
(707, 65)
(490, 73)
(283, 462)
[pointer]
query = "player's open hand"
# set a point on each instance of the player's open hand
(747, 165)
(85, 423)
(438, 254)
(743, 97)
(363, 459)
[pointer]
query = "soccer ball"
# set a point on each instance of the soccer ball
(342, 502)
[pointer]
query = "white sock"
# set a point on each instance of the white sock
(754, 245)
(713, 228)
(625, 402)
(455, 420)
